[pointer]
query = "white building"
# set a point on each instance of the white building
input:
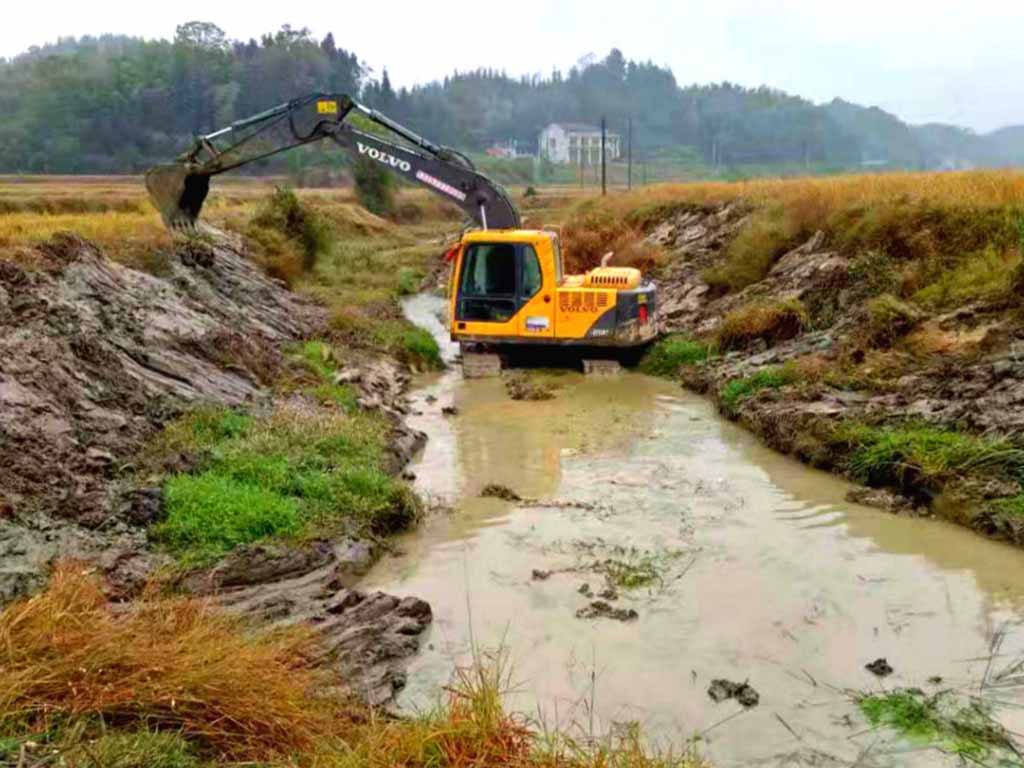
(577, 143)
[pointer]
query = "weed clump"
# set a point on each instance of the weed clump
(963, 728)
(771, 321)
(166, 663)
(290, 235)
(669, 354)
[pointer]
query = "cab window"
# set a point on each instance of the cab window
(532, 278)
(496, 280)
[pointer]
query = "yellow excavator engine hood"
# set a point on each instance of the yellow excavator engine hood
(620, 278)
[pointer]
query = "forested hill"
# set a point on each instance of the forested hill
(116, 104)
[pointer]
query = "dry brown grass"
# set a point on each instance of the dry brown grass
(167, 662)
(68, 658)
(814, 198)
(772, 321)
(927, 222)
(590, 234)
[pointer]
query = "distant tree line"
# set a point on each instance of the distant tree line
(116, 104)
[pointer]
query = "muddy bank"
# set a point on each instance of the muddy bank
(95, 358)
(812, 346)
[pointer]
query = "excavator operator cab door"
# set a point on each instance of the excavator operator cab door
(499, 285)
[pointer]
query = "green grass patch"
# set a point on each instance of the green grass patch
(961, 727)
(212, 513)
(287, 475)
(737, 391)
(668, 355)
(914, 454)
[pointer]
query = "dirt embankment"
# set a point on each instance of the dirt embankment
(95, 358)
(824, 359)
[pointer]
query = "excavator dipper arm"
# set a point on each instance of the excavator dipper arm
(179, 189)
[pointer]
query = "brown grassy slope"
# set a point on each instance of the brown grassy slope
(907, 215)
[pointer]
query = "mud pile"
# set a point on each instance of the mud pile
(95, 358)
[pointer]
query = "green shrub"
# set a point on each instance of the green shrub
(375, 187)
(771, 321)
(669, 354)
(408, 281)
(736, 391)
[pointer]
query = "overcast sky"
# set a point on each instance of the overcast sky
(934, 60)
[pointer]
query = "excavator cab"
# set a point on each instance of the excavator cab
(508, 288)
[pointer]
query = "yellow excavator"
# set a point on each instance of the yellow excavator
(508, 291)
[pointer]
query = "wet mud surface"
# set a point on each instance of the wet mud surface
(741, 565)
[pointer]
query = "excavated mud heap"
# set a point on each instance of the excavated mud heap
(95, 358)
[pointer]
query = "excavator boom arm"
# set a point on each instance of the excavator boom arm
(179, 189)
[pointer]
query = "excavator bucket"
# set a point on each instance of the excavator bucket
(178, 192)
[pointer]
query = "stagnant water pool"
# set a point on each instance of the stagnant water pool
(765, 573)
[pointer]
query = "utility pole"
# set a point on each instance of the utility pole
(604, 177)
(629, 153)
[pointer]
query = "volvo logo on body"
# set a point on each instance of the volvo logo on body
(384, 157)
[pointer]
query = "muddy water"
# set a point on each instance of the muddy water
(766, 574)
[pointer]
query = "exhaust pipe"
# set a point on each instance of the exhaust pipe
(178, 191)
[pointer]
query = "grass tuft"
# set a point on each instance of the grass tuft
(921, 454)
(766, 236)
(889, 319)
(771, 321)
(737, 391)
